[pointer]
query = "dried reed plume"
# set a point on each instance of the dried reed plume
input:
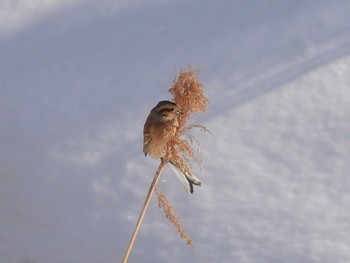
(187, 93)
(172, 217)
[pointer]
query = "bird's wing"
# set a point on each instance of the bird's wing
(147, 137)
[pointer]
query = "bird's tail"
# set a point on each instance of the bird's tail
(187, 179)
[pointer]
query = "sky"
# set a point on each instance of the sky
(78, 79)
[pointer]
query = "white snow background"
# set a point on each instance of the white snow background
(77, 81)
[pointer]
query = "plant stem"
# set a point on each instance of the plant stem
(143, 211)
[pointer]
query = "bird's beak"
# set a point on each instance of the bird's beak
(179, 112)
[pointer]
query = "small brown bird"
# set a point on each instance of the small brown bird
(160, 127)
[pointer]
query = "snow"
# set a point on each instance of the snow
(78, 79)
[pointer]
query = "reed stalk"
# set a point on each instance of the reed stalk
(143, 211)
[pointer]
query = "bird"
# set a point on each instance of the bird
(160, 127)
